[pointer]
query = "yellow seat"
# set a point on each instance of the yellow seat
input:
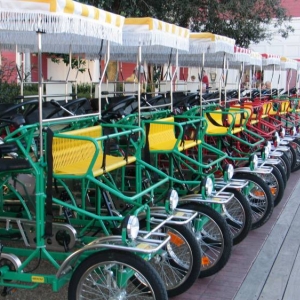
(265, 109)
(216, 126)
(74, 156)
(236, 130)
(272, 111)
(284, 107)
(162, 137)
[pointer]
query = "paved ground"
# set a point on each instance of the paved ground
(226, 284)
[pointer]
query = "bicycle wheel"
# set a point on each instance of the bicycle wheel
(238, 215)
(286, 164)
(213, 236)
(281, 171)
(292, 156)
(259, 197)
(112, 274)
(275, 183)
(178, 264)
(296, 146)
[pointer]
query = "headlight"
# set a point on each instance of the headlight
(173, 198)
(282, 132)
(253, 160)
(294, 130)
(269, 145)
(229, 171)
(132, 226)
(277, 137)
(208, 185)
(267, 151)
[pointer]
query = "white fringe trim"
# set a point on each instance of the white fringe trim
(152, 38)
(64, 25)
(211, 47)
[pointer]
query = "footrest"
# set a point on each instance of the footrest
(8, 147)
(13, 164)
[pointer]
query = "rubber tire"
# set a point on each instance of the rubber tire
(297, 165)
(282, 173)
(226, 234)
(142, 266)
(294, 158)
(190, 238)
(281, 187)
(269, 199)
(287, 162)
(247, 213)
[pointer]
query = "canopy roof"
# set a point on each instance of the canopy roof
(206, 42)
(288, 63)
(157, 38)
(63, 22)
(151, 32)
(255, 59)
(270, 61)
(242, 55)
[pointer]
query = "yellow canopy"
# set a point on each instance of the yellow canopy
(288, 63)
(206, 42)
(64, 22)
(153, 32)
(256, 59)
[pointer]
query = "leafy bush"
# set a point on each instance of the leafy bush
(9, 92)
(84, 90)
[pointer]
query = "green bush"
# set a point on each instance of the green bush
(31, 89)
(9, 92)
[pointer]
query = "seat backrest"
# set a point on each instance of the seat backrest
(68, 151)
(161, 133)
(214, 118)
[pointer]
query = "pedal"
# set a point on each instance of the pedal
(8, 291)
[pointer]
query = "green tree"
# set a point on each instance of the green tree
(244, 20)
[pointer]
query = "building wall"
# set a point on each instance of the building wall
(292, 7)
(289, 47)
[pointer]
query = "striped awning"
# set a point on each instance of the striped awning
(270, 59)
(256, 59)
(213, 46)
(288, 63)
(206, 42)
(64, 22)
(156, 38)
(153, 32)
(242, 55)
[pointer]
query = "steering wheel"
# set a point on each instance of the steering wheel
(71, 107)
(17, 120)
(118, 109)
(30, 105)
(184, 101)
(148, 103)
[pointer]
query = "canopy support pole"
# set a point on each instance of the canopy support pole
(40, 88)
(102, 76)
(173, 77)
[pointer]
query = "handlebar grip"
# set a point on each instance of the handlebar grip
(55, 103)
